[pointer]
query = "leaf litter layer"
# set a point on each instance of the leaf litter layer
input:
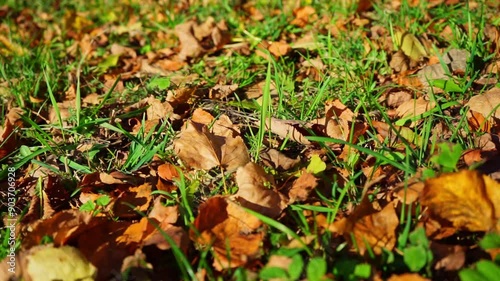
(283, 140)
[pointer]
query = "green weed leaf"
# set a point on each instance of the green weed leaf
(316, 269)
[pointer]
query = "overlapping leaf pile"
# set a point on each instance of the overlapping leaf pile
(227, 188)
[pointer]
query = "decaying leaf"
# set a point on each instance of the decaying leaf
(256, 191)
(235, 235)
(467, 199)
(201, 149)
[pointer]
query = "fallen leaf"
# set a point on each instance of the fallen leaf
(467, 199)
(287, 129)
(410, 45)
(414, 108)
(131, 200)
(486, 104)
(201, 149)
(8, 139)
(222, 91)
(235, 235)
(372, 228)
(279, 49)
(256, 191)
(62, 226)
(46, 262)
(190, 47)
(302, 187)
(277, 160)
(303, 15)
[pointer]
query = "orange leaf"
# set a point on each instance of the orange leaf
(467, 199)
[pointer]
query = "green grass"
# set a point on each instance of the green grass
(356, 71)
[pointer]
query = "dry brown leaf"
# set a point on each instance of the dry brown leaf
(139, 197)
(190, 47)
(230, 230)
(409, 194)
(222, 91)
(303, 16)
(395, 98)
(256, 191)
(486, 104)
(287, 129)
(158, 109)
(448, 257)
(277, 160)
(279, 49)
(8, 139)
(467, 199)
(62, 227)
(201, 149)
(165, 217)
(302, 187)
(372, 228)
(414, 108)
(182, 95)
(167, 173)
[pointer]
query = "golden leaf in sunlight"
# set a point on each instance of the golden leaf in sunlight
(201, 149)
(467, 199)
(410, 45)
(235, 236)
(256, 191)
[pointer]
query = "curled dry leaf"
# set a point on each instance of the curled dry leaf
(221, 91)
(201, 149)
(234, 234)
(256, 191)
(467, 199)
